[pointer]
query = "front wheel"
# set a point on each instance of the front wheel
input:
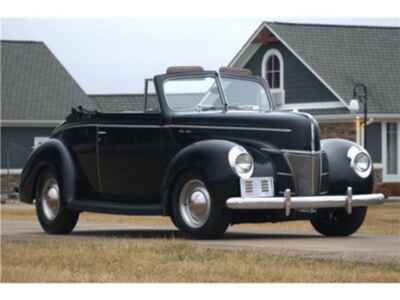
(53, 215)
(194, 209)
(337, 222)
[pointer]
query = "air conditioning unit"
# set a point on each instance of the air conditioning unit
(278, 96)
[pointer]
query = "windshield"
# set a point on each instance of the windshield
(193, 94)
(202, 94)
(245, 95)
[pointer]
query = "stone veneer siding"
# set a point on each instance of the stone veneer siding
(8, 184)
(338, 130)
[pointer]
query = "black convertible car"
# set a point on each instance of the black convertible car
(209, 152)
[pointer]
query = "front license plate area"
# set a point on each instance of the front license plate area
(257, 187)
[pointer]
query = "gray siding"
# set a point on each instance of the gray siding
(17, 143)
(299, 83)
(374, 142)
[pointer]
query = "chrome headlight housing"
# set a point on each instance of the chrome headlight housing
(241, 162)
(360, 161)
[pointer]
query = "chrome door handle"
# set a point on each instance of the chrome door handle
(101, 132)
(184, 131)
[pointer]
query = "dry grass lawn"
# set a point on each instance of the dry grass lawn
(170, 260)
(383, 219)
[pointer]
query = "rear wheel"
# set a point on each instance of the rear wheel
(337, 222)
(194, 210)
(52, 213)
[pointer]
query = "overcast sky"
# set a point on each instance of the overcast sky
(114, 55)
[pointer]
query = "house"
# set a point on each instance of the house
(314, 68)
(37, 93)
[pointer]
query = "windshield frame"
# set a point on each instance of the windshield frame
(218, 77)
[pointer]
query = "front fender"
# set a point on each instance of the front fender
(341, 175)
(210, 158)
(52, 152)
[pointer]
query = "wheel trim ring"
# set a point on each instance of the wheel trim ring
(194, 203)
(50, 199)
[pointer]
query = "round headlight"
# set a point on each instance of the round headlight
(241, 162)
(360, 161)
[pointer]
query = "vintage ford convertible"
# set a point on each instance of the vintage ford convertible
(211, 153)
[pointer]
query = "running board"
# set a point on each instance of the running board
(115, 208)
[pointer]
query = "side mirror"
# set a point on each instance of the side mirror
(354, 105)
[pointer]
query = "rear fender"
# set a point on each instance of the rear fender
(52, 153)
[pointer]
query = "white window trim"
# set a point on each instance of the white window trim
(389, 177)
(38, 140)
(10, 171)
(278, 54)
(314, 105)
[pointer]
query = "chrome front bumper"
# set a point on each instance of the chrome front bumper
(306, 202)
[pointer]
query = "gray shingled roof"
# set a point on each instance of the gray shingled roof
(122, 102)
(35, 85)
(343, 55)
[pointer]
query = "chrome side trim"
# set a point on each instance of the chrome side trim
(306, 202)
(67, 126)
(229, 128)
(71, 126)
(301, 151)
(270, 150)
(284, 174)
(289, 150)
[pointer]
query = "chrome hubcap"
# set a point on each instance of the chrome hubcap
(50, 199)
(195, 203)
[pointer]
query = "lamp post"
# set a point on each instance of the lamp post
(360, 93)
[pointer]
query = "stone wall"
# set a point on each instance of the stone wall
(389, 189)
(8, 184)
(338, 130)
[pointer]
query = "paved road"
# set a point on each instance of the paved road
(365, 248)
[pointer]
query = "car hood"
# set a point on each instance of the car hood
(281, 130)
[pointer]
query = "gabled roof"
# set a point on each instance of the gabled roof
(342, 55)
(122, 102)
(34, 84)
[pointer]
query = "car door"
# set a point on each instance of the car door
(81, 140)
(131, 158)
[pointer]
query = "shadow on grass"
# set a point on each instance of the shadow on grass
(174, 234)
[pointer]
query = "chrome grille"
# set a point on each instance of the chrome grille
(306, 171)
